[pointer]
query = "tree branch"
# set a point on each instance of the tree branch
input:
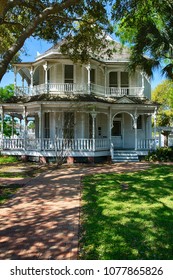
(57, 8)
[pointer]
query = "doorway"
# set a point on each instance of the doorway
(117, 138)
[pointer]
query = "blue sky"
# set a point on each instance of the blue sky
(33, 46)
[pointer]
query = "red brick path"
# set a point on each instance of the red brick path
(42, 220)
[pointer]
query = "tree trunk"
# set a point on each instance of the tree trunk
(166, 134)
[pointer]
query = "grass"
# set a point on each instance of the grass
(8, 159)
(128, 216)
(8, 191)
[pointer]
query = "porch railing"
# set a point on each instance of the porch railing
(55, 144)
(146, 144)
(9, 144)
(65, 88)
(82, 144)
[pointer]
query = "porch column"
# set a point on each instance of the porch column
(142, 74)
(45, 66)
(2, 126)
(110, 124)
(20, 128)
(32, 80)
(23, 86)
(88, 67)
(82, 124)
(93, 114)
(135, 128)
(155, 124)
(25, 127)
(12, 126)
(40, 115)
(15, 79)
(105, 74)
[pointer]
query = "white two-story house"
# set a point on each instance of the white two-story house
(81, 112)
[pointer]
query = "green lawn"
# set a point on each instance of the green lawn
(128, 216)
(8, 159)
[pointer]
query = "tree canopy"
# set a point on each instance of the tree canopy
(163, 94)
(147, 26)
(50, 20)
(6, 92)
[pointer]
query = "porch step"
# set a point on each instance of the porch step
(125, 156)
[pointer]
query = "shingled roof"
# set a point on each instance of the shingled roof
(113, 51)
(79, 98)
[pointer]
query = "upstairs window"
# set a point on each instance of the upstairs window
(124, 79)
(68, 74)
(119, 79)
(92, 76)
(113, 79)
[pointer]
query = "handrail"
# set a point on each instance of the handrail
(70, 88)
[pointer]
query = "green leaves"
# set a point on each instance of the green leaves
(6, 92)
(163, 94)
(148, 27)
(52, 21)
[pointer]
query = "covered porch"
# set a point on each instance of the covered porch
(78, 130)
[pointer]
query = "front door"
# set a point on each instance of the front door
(117, 134)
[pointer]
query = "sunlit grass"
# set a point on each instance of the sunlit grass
(134, 222)
(8, 159)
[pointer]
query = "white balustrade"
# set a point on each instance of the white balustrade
(20, 91)
(83, 144)
(102, 144)
(61, 88)
(33, 144)
(131, 91)
(146, 144)
(9, 144)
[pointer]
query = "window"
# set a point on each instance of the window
(119, 79)
(113, 79)
(124, 79)
(139, 122)
(92, 76)
(47, 125)
(68, 125)
(68, 74)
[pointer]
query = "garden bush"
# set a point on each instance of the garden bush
(163, 154)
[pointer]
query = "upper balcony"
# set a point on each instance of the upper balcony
(73, 88)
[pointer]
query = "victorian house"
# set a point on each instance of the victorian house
(94, 111)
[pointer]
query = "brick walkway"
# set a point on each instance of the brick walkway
(42, 220)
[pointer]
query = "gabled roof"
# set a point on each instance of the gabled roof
(114, 51)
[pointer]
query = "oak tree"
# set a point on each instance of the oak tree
(50, 20)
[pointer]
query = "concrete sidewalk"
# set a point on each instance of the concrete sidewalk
(41, 221)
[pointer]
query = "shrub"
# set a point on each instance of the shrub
(161, 154)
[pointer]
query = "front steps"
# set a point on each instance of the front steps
(125, 156)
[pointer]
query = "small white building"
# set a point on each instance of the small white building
(81, 111)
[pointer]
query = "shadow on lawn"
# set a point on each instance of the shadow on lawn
(135, 223)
